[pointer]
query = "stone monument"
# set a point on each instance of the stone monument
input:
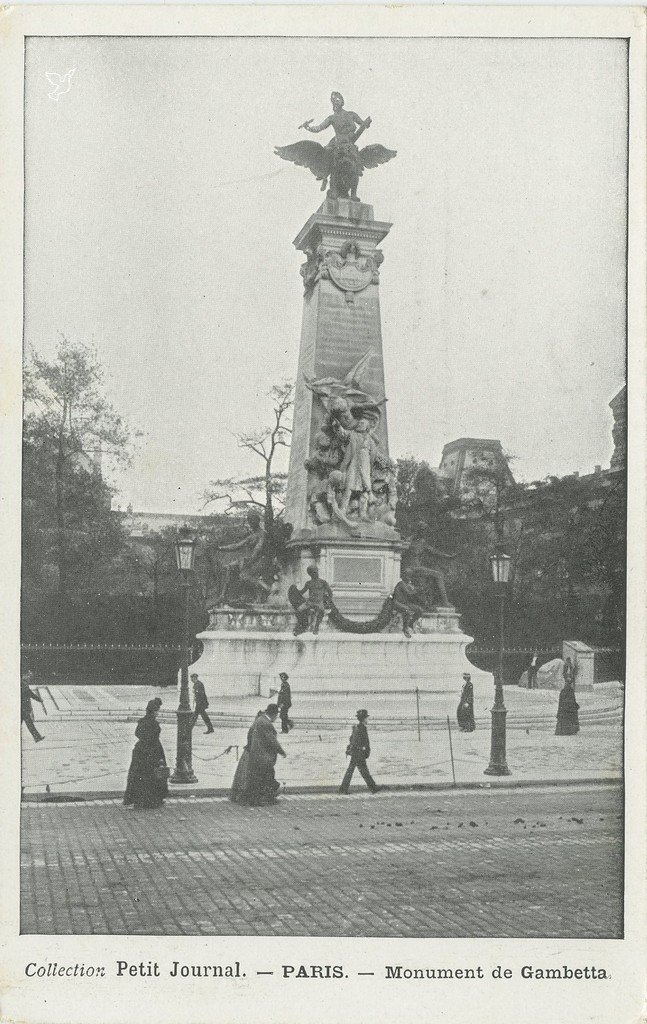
(341, 490)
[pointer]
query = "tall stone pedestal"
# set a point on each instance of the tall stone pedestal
(341, 326)
(347, 532)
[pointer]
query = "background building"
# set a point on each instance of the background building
(472, 453)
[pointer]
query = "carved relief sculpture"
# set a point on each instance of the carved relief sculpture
(354, 481)
(348, 269)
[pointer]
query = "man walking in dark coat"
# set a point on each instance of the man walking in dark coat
(358, 750)
(284, 701)
(200, 703)
(27, 695)
(263, 752)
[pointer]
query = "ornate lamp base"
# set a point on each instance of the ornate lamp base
(498, 764)
(183, 774)
(183, 777)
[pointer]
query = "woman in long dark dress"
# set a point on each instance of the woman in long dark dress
(147, 784)
(465, 709)
(568, 723)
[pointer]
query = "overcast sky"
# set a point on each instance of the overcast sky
(159, 226)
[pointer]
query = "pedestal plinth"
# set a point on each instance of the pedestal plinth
(239, 660)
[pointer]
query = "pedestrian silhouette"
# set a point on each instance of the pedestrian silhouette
(358, 750)
(284, 701)
(147, 784)
(201, 703)
(27, 695)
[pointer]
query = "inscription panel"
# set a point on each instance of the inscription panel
(345, 333)
(355, 570)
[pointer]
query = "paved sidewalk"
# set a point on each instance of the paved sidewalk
(91, 754)
(517, 863)
(94, 757)
(333, 709)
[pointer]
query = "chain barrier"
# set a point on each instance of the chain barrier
(47, 648)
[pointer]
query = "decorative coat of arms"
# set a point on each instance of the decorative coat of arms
(348, 269)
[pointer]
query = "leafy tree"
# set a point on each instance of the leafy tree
(264, 492)
(573, 557)
(425, 504)
(487, 489)
(566, 537)
(70, 432)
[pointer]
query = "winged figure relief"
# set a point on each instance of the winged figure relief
(345, 400)
(340, 162)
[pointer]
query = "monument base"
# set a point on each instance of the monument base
(362, 572)
(249, 648)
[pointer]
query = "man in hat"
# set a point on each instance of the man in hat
(284, 701)
(201, 703)
(358, 750)
(264, 748)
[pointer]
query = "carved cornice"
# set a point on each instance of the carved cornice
(321, 228)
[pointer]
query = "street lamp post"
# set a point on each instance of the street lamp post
(184, 551)
(498, 765)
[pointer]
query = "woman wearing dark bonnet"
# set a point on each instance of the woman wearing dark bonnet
(147, 784)
(568, 723)
(465, 710)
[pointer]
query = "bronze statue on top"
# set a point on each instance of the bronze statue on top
(340, 161)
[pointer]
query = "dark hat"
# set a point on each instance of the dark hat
(362, 713)
(283, 675)
(272, 709)
(154, 704)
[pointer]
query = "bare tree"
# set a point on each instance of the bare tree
(265, 491)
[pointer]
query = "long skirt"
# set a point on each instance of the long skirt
(144, 789)
(465, 717)
(254, 782)
(568, 723)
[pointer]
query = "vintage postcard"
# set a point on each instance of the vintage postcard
(323, 496)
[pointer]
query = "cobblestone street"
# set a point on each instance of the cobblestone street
(519, 863)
